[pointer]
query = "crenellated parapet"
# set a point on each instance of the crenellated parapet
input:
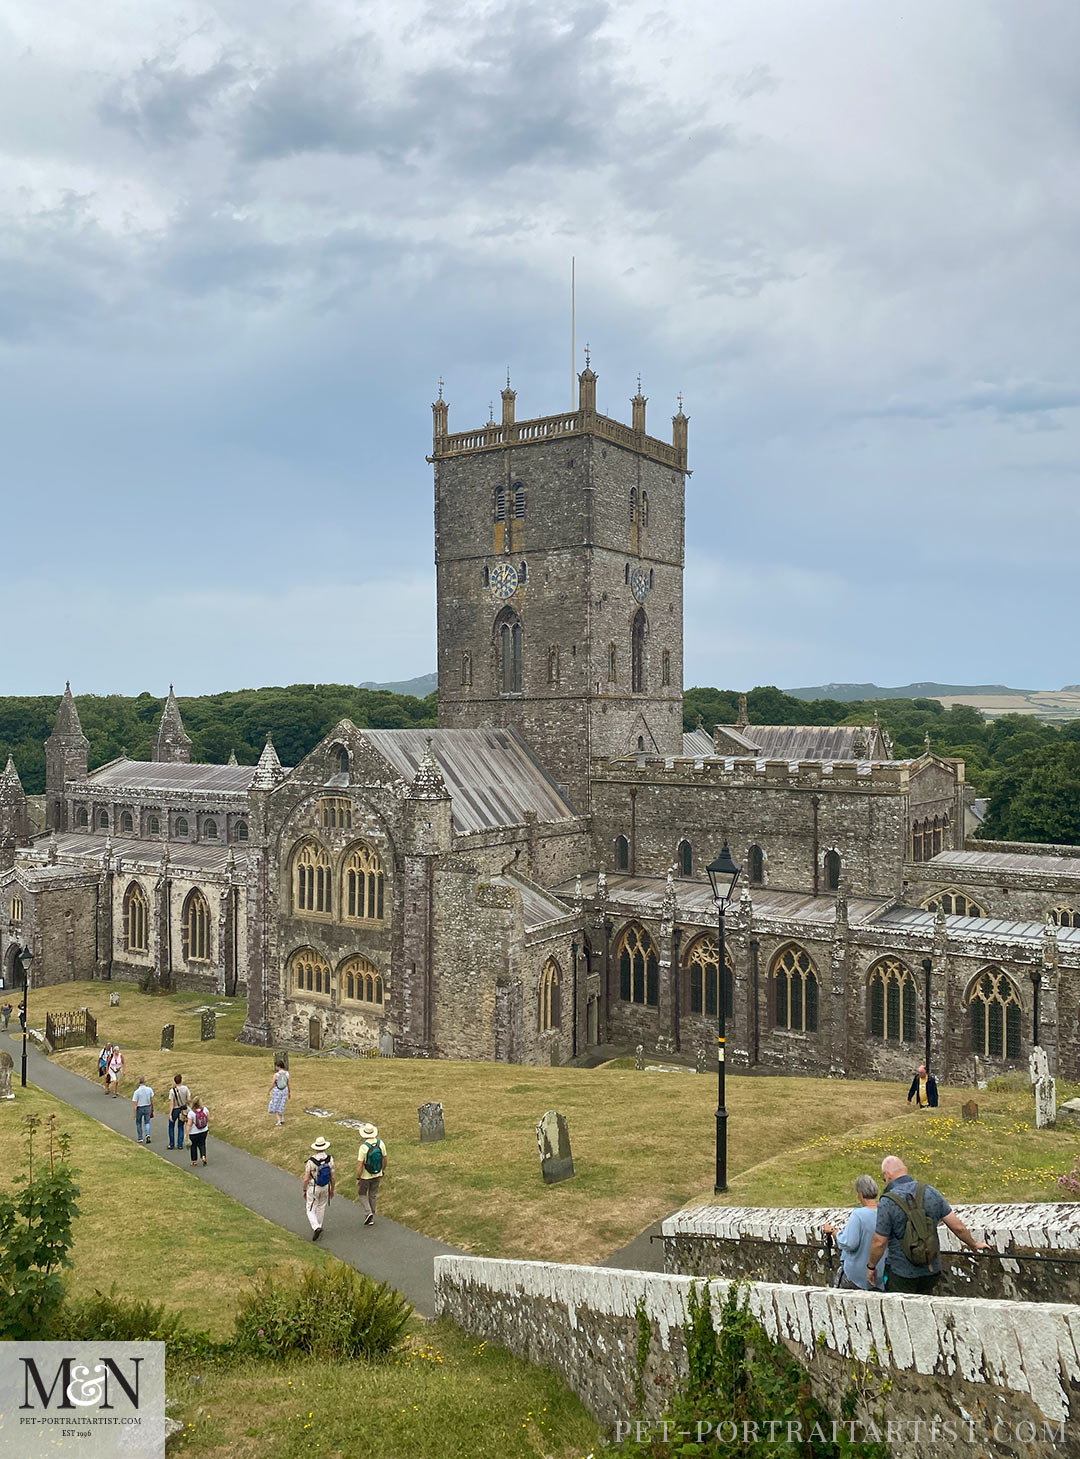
(860, 776)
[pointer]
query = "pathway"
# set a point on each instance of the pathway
(386, 1251)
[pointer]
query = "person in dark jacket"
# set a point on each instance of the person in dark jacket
(923, 1089)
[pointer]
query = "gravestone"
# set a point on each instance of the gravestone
(314, 1030)
(209, 1025)
(553, 1139)
(431, 1123)
(969, 1110)
(386, 1044)
(7, 1065)
(283, 1056)
(1045, 1103)
(1038, 1064)
(701, 1059)
(114, 1000)
(639, 1057)
(168, 1033)
(1069, 1112)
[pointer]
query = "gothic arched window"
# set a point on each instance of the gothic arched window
(153, 826)
(309, 972)
(892, 1001)
(519, 500)
(638, 635)
(81, 818)
(1064, 917)
(755, 866)
(509, 648)
(196, 928)
(136, 919)
(181, 826)
(639, 972)
(360, 981)
(210, 830)
(645, 509)
(832, 871)
(500, 502)
(241, 832)
(995, 1016)
(103, 820)
(701, 963)
(686, 859)
(365, 884)
(549, 998)
(954, 904)
(622, 854)
(633, 504)
(127, 821)
(311, 879)
(795, 990)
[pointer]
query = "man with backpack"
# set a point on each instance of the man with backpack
(318, 1185)
(370, 1169)
(179, 1099)
(907, 1220)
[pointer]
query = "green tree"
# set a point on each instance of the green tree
(36, 1238)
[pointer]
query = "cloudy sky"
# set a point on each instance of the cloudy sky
(242, 241)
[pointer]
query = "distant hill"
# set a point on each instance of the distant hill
(847, 692)
(423, 686)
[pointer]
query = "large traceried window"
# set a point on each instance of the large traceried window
(954, 904)
(639, 970)
(309, 972)
(365, 884)
(312, 880)
(549, 997)
(136, 919)
(360, 981)
(995, 1016)
(509, 652)
(1064, 917)
(702, 961)
(638, 636)
(795, 990)
(196, 928)
(892, 1001)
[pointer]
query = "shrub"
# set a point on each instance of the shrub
(332, 1312)
(36, 1238)
(121, 1319)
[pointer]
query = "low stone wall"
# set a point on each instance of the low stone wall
(955, 1377)
(786, 1245)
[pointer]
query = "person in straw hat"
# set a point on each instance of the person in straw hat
(318, 1185)
(370, 1169)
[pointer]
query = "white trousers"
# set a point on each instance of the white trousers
(318, 1198)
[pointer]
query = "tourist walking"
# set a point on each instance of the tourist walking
(923, 1089)
(318, 1185)
(115, 1071)
(279, 1092)
(142, 1102)
(6, 1011)
(22, 1016)
(179, 1099)
(370, 1169)
(855, 1239)
(103, 1065)
(907, 1220)
(198, 1124)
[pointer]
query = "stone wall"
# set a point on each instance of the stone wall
(786, 1245)
(1004, 1376)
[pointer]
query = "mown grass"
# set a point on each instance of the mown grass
(643, 1142)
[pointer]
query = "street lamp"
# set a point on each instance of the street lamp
(723, 874)
(26, 957)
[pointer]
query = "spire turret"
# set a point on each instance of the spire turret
(587, 387)
(429, 783)
(638, 403)
(440, 412)
(173, 744)
(66, 752)
(268, 771)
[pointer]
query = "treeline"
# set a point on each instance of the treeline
(1030, 770)
(298, 716)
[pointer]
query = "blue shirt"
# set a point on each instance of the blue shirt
(854, 1241)
(143, 1097)
(892, 1222)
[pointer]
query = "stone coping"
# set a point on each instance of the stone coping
(1050, 1226)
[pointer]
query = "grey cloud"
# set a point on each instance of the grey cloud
(162, 104)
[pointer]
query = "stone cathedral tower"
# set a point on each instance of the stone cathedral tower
(559, 559)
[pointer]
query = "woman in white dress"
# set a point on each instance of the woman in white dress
(279, 1093)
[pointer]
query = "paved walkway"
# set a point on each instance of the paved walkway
(386, 1251)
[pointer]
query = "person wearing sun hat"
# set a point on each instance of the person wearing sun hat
(318, 1185)
(370, 1169)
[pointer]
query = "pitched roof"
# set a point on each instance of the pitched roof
(957, 862)
(128, 852)
(540, 907)
(491, 774)
(159, 775)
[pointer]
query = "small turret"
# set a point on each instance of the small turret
(679, 425)
(173, 744)
(14, 824)
(508, 398)
(587, 387)
(429, 813)
(268, 771)
(66, 752)
(440, 412)
(638, 403)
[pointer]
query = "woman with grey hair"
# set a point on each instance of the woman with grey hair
(854, 1241)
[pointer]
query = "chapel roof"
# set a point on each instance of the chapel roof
(1004, 861)
(126, 850)
(695, 899)
(540, 906)
(160, 775)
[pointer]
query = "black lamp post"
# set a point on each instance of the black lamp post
(723, 874)
(26, 957)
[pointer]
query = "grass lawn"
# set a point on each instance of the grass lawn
(161, 1236)
(643, 1142)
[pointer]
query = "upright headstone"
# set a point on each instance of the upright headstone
(639, 1057)
(314, 1030)
(553, 1139)
(431, 1123)
(283, 1055)
(209, 1025)
(1045, 1103)
(386, 1044)
(114, 1000)
(168, 1033)
(7, 1065)
(969, 1110)
(1038, 1064)
(701, 1059)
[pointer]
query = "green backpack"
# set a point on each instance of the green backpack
(920, 1238)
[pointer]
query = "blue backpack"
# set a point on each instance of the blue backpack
(323, 1173)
